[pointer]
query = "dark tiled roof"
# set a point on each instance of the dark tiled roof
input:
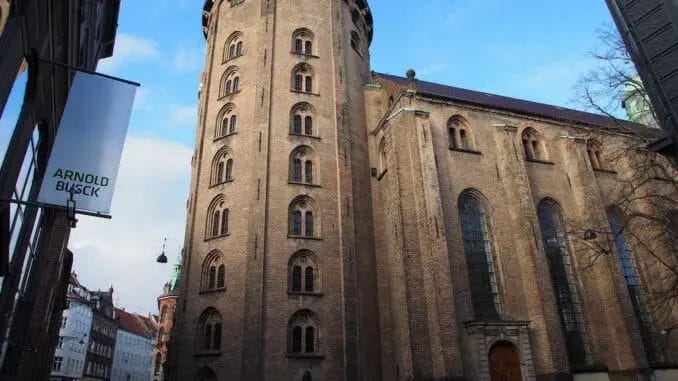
(521, 106)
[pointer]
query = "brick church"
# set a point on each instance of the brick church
(348, 225)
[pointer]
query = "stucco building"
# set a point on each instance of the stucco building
(349, 225)
(134, 347)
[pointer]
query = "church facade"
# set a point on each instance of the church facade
(349, 225)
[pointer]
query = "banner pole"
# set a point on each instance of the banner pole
(65, 66)
(43, 205)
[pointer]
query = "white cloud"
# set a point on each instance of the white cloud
(149, 204)
(129, 49)
(188, 59)
(182, 115)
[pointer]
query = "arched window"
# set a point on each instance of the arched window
(562, 276)
(303, 220)
(213, 272)
(302, 78)
(593, 148)
(533, 145)
(303, 336)
(302, 41)
(217, 218)
(234, 46)
(205, 373)
(230, 82)
(618, 229)
(303, 272)
(301, 165)
(222, 167)
(227, 121)
(301, 119)
(209, 330)
(479, 257)
(458, 132)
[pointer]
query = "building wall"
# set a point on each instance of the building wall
(166, 306)
(256, 305)
(75, 326)
(420, 251)
(133, 357)
(4, 13)
(101, 349)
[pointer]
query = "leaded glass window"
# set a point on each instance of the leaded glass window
(478, 251)
(630, 271)
(564, 285)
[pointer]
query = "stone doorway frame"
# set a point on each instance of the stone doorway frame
(484, 334)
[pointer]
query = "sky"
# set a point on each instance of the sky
(528, 49)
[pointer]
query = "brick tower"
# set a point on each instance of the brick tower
(279, 279)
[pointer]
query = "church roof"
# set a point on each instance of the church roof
(521, 106)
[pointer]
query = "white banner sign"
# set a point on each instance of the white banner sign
(86, 154)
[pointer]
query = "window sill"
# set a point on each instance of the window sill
(304, 237)
(589, 368)
(304, 184)
(304, 54)
(225, 136)
(540, 161)
(232, 58)
(303, 293)
(604, 170)
(305, 356)
(305, 92)
(207, 353)
(382, 174)
(305, 136)
(464, 150)
(212, 291)
(229, 95)
(217, 237)
(221, 183)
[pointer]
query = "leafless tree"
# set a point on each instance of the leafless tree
(647, 191)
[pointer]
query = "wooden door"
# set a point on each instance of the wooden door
(505, 363)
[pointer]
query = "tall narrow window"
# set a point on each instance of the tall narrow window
(215, 223)
(593, 148)
(229, 170)
(233, 124)
(216, 337)
(227, 121)
(296, 170)
(629, 269)
(298, 82)
(309, 224)
(308, 125)
(564, 284)
(298, 45)
(220, 172)
(478, 252)
(212, 277)
(296, 222)
(309, 84)
(310, 340)
(308, 172)
(308, 47)
(221, 276)
(296, 339)
(224, 222)
(296, 278)
(207, 337)
(308, 279)
(297, 124)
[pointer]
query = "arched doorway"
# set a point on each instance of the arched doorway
(205, 374)
(505, 362)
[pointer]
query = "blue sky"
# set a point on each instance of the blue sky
(528, 49)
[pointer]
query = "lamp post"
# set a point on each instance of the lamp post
(162, 258)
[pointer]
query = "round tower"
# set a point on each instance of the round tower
(279, 276)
